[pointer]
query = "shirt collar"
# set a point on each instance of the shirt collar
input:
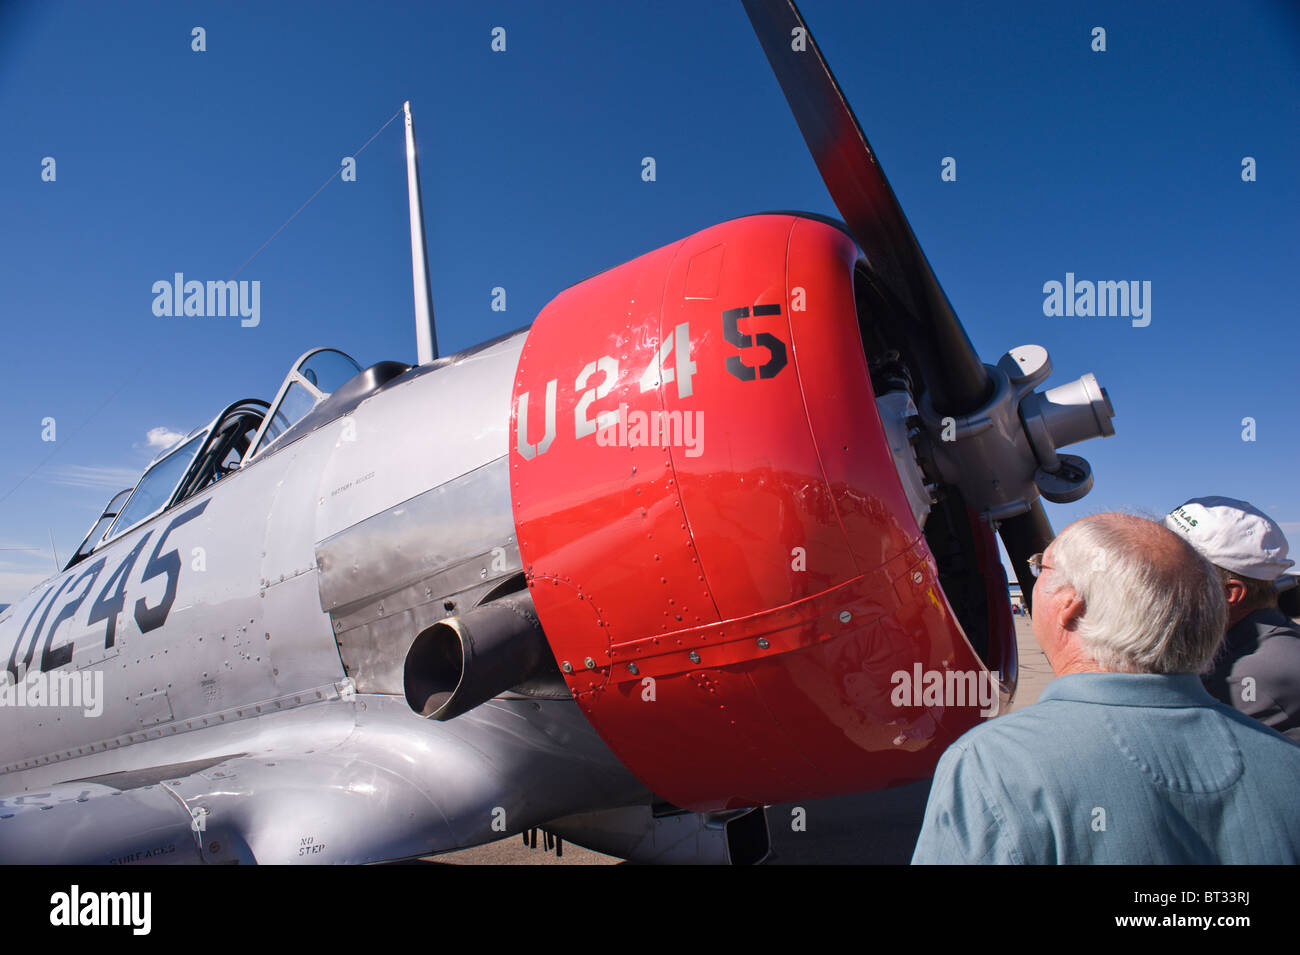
(1246, 635)
(1257, 621)
(1129, 689)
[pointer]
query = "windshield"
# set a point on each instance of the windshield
(156, 488)
(111, 510)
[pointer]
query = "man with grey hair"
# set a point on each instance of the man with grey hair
(1257, 670)
(1124, 758)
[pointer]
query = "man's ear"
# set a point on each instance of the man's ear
(1235, 591)
(1071, 610)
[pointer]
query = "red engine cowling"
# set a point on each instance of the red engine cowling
(718, 545)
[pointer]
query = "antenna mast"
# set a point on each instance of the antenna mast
(426, 336)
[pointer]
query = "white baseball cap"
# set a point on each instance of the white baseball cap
(1234, 535)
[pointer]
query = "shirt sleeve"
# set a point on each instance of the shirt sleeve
(962, 825)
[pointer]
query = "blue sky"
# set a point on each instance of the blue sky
(1122, 165)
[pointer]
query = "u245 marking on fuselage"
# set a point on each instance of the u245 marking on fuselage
(110, 601)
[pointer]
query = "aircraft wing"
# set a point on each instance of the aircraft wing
(352, 780)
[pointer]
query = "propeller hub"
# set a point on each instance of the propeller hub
(1004, 455)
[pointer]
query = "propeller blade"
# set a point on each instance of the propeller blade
(1024, 536)
(953, 372)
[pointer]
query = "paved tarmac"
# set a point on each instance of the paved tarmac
(867, 828)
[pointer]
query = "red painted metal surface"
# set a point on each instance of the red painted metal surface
(730, 597)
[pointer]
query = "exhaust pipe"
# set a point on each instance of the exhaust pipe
(466, 660)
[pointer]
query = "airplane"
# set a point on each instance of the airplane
(626, 575)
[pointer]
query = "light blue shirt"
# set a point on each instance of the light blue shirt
(1116, 768)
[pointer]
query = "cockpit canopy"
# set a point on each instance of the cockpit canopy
(311, 379)
(234, 438)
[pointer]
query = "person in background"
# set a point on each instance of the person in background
(1124, 758)
(1257, 670)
